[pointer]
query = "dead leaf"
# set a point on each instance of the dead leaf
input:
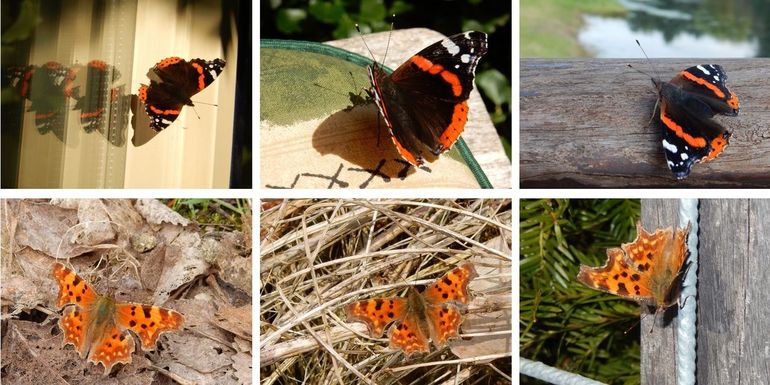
(157, 213)
(236, 320)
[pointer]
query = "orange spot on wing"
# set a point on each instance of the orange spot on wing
(406, 154)
(436, 69)
(679, 131)
(717, 146)
(456, 125)
(143, 93)
(201, 78)
(704, 83)
(163, 112)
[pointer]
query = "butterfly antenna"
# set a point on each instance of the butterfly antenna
(654, 70)
(353, 79)
(208, 104)
(387, 46)
(654, 318)
(681, 306)
(634, 325)
(365, 45)
(196, 112)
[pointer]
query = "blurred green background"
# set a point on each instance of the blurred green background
(563, 323)
(320, 21)
(666, 28)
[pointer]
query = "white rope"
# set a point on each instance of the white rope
(553, 375)
(686, 328)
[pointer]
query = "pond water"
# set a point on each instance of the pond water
(681, 28)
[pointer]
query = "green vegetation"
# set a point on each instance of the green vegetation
(549, 28)
(225, 214)
(563, 323)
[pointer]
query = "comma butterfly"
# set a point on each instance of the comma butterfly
(434, 312)
(97, 324)
(647, 270)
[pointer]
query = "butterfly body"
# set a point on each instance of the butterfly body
(98, 325)
(647, 270)
(687, 105)
(424, 102)
(434, 313)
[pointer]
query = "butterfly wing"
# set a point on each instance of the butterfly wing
(426, 97)
(408, 336)
(74, 290)
(689, 133)
(452, 287)
(618, 277)
(377, 313)
(187, 78)
(444, 322)
(160, 104)
(688, 103)
(709, 83)
(115, 347)
(147, 321)
(665, 275)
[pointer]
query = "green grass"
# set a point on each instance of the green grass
(549, 28)
(224, 214)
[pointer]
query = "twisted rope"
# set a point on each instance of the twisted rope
(686, 328)
(550, 374)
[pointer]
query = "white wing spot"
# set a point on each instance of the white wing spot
(670, 147)
(450, 46)
(703, 69)
(465, 58)
(684, 156)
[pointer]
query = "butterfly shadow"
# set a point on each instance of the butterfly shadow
(140, 122)
(353, 135)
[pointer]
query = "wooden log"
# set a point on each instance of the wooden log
(586, 123)
(733, 311)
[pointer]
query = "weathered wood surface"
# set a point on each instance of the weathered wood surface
(480, 134)
(733, 303)
(586, 123)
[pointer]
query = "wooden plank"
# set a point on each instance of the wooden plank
(586, 123)
(733, 311)
(658, 346)
(480, 134)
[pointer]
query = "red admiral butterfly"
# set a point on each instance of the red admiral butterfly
(425, 101)
(173, 81)
(687, 104)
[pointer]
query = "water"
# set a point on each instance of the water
(681, 28)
